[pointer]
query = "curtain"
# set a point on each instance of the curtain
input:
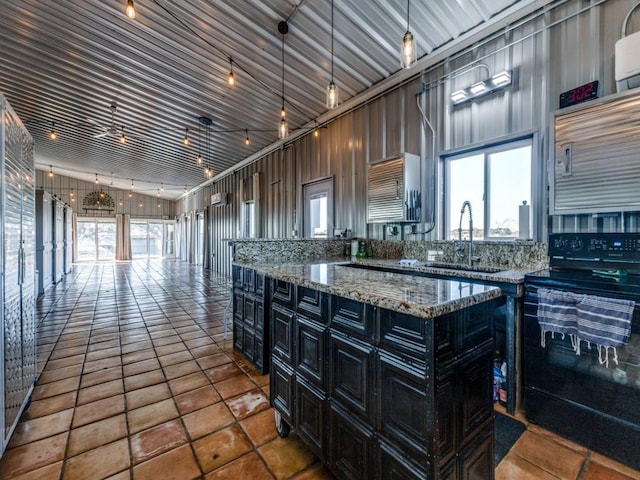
(74, 237)
(192, 237)
(206, 247)
(257, 223)
(119, 236)
(123, 237)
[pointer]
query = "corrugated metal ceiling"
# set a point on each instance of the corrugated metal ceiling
(67, 62)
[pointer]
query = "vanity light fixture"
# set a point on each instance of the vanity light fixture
(130, 10)
(52, 134)
(480, 89)
(332, 89)
(408, 50)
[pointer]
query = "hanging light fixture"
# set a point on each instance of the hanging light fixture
(332, 89)
(130, 10)
(123, 137)
(283, 129)
(158, 194)
(199, 159)
(50, 171)
(96, 182)
(246, 140)
(52, 134)
(162, 187)
(408, 53)
(132, 184)
(185, 139)
(130, 194)
(231, 79)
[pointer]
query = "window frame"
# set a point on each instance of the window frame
(311, 190)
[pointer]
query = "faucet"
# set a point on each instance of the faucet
(460, 245)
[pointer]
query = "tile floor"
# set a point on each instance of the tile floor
(137, 382)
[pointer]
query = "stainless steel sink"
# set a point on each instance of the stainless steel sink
(460, 267)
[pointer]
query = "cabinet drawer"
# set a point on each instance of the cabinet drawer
(311, 416)
(283, 293)
(350, 446)
(311, 351)
(282, 334)
(352, 374)
(312, 303)
(406, 334)
(352, 317)
(281, 389)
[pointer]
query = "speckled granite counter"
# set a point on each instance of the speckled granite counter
(419, 296)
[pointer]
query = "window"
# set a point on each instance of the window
(318, 209)
(496, 181)
(96, 239)
(248, 220)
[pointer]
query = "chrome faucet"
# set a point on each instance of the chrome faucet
(460, 245)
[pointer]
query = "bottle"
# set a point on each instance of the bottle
(502, 389)
(362, 249)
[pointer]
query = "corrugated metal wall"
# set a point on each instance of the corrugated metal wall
(138, 205)
(567, 46)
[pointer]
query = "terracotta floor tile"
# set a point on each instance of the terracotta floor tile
(514, 467)
(93, 355)
(36, 429)
(193, 335)
(202, 341)
(172, 348)
(286, 456)
(564, 463)
(174, 358)
(142, 380)
(50, 472)
(136, 344)
(221, 447)
(102, 364)
(207, 420)
(556, 438)
(98, 392)
(140, 367)
(97, 434)
(94, 347)
(34, 455)
(205, 350)
(215, 360)
(260, 428)
(181, 369)
(223, 372)
(48, 376)
(234, 386)
(101, 376)
(249, 466)
(197, 399)
(47, 406)
(64, 362)
(55, 388)
(151, 415)
(316, 472)
(177, 464)
(157, 440)
(99, 462)
(145, 396)
(613, 465)
(94, 411)
(188, 382)
(247, 404)
(68, 352)
(124, 475)
(161, 341)
(597, 471)
(138, 355)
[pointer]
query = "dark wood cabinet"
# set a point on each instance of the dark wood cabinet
(250, 318)
(381, 394)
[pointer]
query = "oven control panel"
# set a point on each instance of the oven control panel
(617, 247)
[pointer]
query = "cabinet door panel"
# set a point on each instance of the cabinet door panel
(393, 465)
(312, 303)
(259, 315)
(249, 280)
(311, 421)
(238, 276)
(282, 333)
(476, 461)
(311, 351)
(406, 409)
(238, 305)
(249, 343)
(249, 311)
(476, 384)
(238, 335)
(352, 374)
(350, 449)
(283, 293)
(281, 389)
(406, 334)
(352, 317)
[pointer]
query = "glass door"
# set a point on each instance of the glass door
(169, 239)
(96, 240)
(106, 240)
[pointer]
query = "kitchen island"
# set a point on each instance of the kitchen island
(383, 375)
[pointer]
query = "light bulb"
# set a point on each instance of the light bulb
(130, 10)
(283, 131)
(52, 134)
(199, 159)
(158, 194)
(231, 79)
(332, 95)
(316, 132)
(130, 194)
(408, 51)
(185, 139)
(123, 138)
(50, 171)
(162, 187)
(246, 140)
(96, 182)
(283, 113)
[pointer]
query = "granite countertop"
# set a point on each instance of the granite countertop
(422, 297)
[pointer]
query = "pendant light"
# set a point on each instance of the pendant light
(246, 140)
(50, 171)
(185, 139)
(408, 54)
(283, 129)
(52, 134)
(332, 89)
(96, 181)
(231, 79)
(130, 10)
(199, 154)
(123, 137)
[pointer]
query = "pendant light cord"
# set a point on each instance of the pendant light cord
(283, 71)
(408, 7)
(331, 40)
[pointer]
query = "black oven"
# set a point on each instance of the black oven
(577, 396)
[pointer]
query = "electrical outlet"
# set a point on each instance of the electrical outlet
(392, 230)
